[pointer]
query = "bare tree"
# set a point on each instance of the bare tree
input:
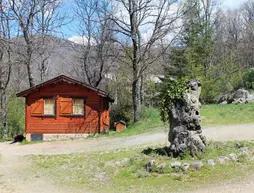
(36, 20)
(247, 27)
(132, 18)
(96, 51)
(48, 20)
(5, 63)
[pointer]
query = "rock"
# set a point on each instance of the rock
(185, 166)
(236, 97)
(160, 167)
(244, 151)
(241, 94)
(122, 163)
(223, 159)
(185, 130)
(176, 164)
(211, 162)
(224, 103)
(224, 99)
(149, 166)
(251, 98)
(240, 101)
(196, 165)
(233, 157)
(239, 145)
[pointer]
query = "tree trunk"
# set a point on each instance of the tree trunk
(142, 89)
(136, 100)
(185, 132)
(3, 113)
(30, 75)
(28, 65)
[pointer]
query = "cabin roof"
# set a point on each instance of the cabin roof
(63, 78)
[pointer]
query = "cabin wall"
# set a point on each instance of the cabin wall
(96, 118)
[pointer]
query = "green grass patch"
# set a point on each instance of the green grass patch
(124, 170)
(150, 122)
(211, 115)
(229, 114)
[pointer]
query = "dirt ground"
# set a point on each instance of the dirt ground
(16, 178)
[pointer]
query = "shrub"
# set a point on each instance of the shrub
(248, 79)
(171, 91)
(16, 117)
(120, 113)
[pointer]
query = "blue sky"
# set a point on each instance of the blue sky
(232, 4)
(69, 30)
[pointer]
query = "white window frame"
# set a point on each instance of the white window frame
(54, 106)
(73, 107)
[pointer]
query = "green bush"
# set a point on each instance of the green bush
(16, 116)
(171, 91)
(248, 79)
(120, 113)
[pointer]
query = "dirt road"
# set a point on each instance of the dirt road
(15, 178)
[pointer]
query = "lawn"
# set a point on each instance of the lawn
(229, 114)
(124, 170)
(211, 115)
(150, 121)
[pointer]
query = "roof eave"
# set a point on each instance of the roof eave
(63, 77)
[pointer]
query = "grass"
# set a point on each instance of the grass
(150, 122)
(211, 115)
(124, 171)
(229, 114)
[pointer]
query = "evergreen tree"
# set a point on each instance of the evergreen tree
(197, 37)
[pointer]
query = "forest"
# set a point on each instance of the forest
(126, 47)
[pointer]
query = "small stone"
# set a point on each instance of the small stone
(160, 167)
(211, 162)
(244, 151)
(125, 162)
(176, 164)
(150, 165)
(223, 159)
(185, 166)
(224, 103)
(197, 165)
(233, 157)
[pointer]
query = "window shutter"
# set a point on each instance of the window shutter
(66, 106)
(37, 107)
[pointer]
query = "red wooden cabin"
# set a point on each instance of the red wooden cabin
(64, 107)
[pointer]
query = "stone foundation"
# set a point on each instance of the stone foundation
(55, 137)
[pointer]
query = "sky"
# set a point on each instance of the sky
(69, 30)
(232, 4)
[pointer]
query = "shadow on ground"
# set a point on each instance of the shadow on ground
(163, 151)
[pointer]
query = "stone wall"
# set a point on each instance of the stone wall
(55, 137)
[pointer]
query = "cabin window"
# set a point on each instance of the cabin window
(78, 107)
(49, 106)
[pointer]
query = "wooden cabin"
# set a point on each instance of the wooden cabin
(63, 107)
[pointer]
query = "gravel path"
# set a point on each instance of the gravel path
(15, 178)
